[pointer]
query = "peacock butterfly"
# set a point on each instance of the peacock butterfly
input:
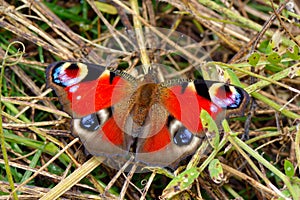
(117, 115)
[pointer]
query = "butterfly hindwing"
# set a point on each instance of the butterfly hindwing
(101, 135)
(168, 146)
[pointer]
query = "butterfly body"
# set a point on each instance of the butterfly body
(114, 114)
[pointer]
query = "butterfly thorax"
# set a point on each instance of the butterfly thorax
(142, 100)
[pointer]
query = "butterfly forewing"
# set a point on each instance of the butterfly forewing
(84, 88)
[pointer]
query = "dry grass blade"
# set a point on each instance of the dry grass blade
(72, 179)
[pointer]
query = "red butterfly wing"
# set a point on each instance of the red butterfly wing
(185, 101)
(103, 139)
(88, 92)
(162, 149)
(86, 88)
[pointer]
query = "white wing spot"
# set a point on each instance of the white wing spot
(74, 88)
(213, 108)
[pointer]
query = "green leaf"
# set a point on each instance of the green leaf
(234, 79)
(32, 164)
(265, 47)
(50, 148)
(293, 53)
(274, 68)
(180, 183)
(289, 168)
(274, 58)
(159, 170)
(254, 58)
(65, 13)
(211, 128)
(105, 7)
(216, 171)
(54, 169)
(286, 193)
